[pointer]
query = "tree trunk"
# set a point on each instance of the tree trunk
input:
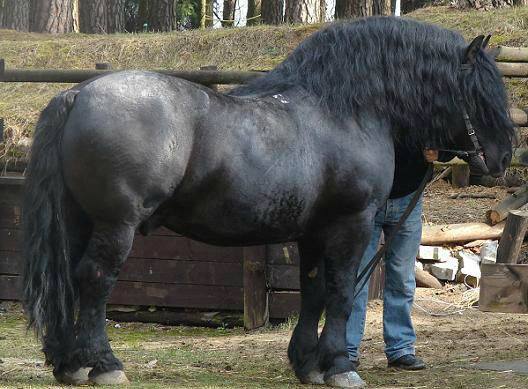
(381, 7)
(272, 11)
(93, 16)
(115, 10)
(346, 9)
(16, 15)
(2, 10)
(228, 14)
(303, 11)
(51, 16)
(209, 6)
(162, 15)
(254, 10)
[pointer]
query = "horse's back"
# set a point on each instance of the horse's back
(127, 141)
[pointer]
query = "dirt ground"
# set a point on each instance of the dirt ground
(452, 337)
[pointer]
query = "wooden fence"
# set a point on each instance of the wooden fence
(168, 270)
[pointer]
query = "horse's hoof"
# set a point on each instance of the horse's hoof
(315, 377)
(114, 377)
(80, 377)
(349, 379)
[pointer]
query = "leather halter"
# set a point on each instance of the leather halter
(475, 158)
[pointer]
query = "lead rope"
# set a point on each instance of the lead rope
(369, 269)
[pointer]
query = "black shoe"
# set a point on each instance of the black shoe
(408, 362)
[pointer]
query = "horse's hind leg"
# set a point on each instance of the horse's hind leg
(302, 350)
(96, 275)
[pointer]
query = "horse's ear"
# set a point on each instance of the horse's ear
(472, 50)
(486, 41)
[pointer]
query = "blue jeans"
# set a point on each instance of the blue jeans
(398, 331)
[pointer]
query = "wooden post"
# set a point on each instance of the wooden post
(460, 175)
(103, 66)
(512, 237)
(256, 310)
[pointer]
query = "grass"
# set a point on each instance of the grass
(250, 48)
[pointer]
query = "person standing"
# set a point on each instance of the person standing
(400, 284)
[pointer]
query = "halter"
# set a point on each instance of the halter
(475, 158)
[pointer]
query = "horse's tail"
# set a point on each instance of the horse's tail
(49, 293)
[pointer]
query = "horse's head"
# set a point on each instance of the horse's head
(484, 114)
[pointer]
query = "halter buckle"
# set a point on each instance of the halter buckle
(471, 131)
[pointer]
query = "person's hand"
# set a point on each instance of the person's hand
(430, 155)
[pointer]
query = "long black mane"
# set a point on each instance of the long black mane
(400, 69)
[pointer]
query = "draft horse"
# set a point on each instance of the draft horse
(304, 153)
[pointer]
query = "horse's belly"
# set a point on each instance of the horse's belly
(229, 221)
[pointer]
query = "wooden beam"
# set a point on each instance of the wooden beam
(511, 54)
(504, 288)
(256, 310)
(513, 69)
(512, 237)
(515, 201)
(463, 232)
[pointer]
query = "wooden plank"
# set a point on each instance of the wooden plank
(284, 304)
(283, 254)
(158, 294)
(10, 287)
(512, 237)
(173, 295)
(10, 239)
(504, 288)
(155, 270)
(173, 316)
(10, 216)
(256, 312)
(283, 277)
(11, 194)
(181, 272)
(177, 247)
(11, 262)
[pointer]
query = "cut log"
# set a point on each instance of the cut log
(426, 280)
(511, 54)
(455, 233)
(519, 117)
(515, 201)
(512, 237)
(460, 175)
(513, 69)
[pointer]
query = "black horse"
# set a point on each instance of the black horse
(304, 153)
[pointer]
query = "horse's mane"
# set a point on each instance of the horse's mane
(403, 70)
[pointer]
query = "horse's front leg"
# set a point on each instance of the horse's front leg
(344, 242)
(95, 276)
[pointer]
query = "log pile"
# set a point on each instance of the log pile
(468, 252)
